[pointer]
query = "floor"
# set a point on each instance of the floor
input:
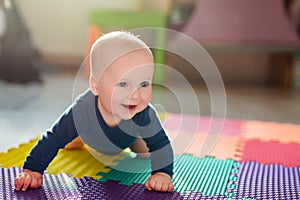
(28, 110)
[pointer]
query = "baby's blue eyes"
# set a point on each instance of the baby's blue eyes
(122, 84)
(142, 84)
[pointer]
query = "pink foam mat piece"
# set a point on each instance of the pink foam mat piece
(201, 144)
(271, 153)
(195, 124)
(225, 147)
(271, 131)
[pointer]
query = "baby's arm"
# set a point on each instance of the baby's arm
(62, 132)
(162, 164)
(28, 179)
(160, 182)
(162, 157)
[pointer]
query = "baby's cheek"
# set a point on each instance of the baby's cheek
(146, 101)
(147, 97)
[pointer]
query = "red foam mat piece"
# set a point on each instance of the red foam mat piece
(271, 153)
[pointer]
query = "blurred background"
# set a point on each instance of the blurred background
(255, 45)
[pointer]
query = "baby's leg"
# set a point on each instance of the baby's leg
(75, 144)
(139, 146)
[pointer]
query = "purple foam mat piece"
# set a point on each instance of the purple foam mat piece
(61, 186)
(263, 181)
(112, 190)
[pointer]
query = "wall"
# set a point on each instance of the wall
(59, 31)
(59, 27)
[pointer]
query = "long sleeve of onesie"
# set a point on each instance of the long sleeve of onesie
(61, 133)
(83, 119)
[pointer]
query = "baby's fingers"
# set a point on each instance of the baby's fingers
(147, 185)
(151, 183)
(40, 181)
(19, 181)
(27, 182)
(34, 183)
(165, 187)
(170, 187)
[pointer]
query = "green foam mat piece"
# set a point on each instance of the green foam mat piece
(123, 171)
(206, 175)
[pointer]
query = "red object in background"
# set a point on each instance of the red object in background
(271, 152)
(93, 34)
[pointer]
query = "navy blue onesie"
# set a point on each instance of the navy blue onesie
(84, 119)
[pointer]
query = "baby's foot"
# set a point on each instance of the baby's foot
(75, 144)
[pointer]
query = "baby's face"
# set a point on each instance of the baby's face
(125, 87)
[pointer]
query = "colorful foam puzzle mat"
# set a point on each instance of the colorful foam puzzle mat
(246, 161)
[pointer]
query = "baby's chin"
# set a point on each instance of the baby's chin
(128, 115)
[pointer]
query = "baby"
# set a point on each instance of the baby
(113, 114)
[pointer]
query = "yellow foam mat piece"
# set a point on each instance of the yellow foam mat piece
(78, 163)
(15, 157)
(271, 131)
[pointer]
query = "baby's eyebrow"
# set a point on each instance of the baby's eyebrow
(146, 80)
(123, 80)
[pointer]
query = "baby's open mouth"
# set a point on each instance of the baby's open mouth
(130, 107)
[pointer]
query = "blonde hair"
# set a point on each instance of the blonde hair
(111, 46)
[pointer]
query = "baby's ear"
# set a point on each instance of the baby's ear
(93, 85)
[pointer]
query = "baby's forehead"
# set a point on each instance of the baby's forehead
(105, 58)
(132, 61)
(109, 50)
(131, 65)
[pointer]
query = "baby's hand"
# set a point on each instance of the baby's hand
(28, 179)
(160, 182)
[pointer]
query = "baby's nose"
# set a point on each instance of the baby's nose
(135, 94)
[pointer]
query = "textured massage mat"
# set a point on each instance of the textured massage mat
(249, 160)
